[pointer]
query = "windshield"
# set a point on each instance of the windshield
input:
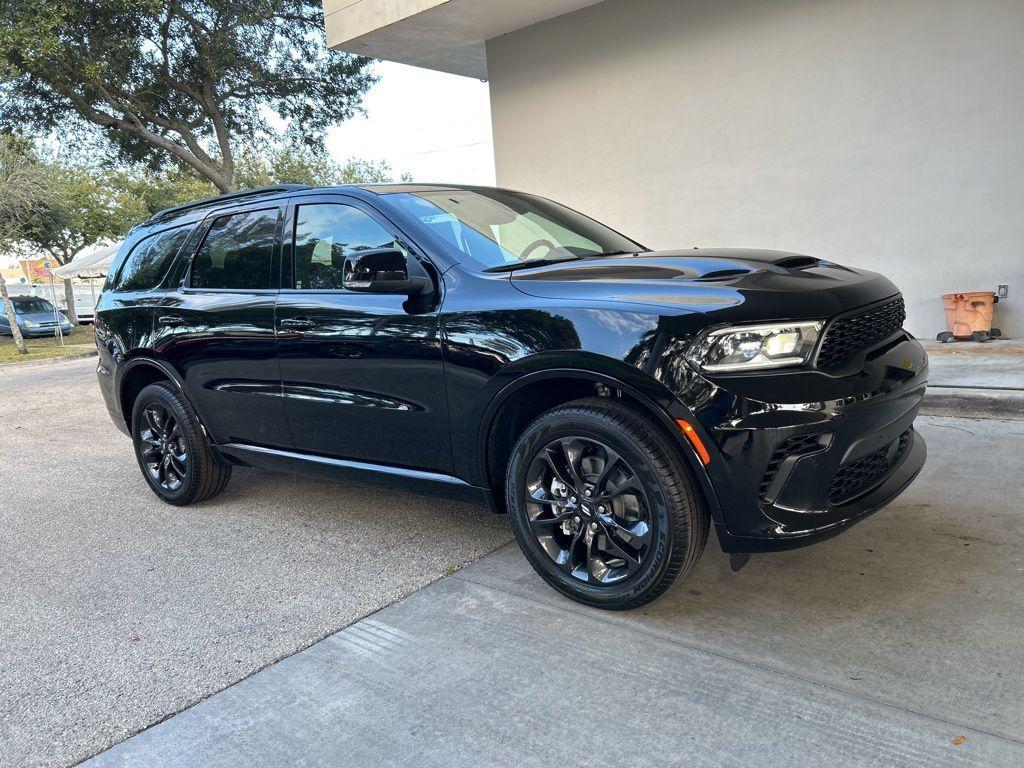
(32, 306)
(496, 228)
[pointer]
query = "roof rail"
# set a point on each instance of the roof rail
(240, 194)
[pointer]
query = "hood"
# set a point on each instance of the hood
(41, 317)
(752, 284)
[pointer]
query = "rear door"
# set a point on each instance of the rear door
(362, 376)
(217, 328)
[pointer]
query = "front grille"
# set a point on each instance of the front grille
(849, 335)
(859, 476)
(800, 445)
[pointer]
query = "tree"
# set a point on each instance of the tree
(176, 80)
(292, 164)
(23, 192)
(158, 190)
(284, 164)
(81, 210)
(356, 171)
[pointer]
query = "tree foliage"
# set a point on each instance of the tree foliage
(23, 194)
(82, 210)
(292, 164)
(287, 164)
(24, 188)
(181, 80)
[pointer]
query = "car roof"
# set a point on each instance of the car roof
(395, 188)
(200, 208)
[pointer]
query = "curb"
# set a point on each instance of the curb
(973, 403)
(49, 360)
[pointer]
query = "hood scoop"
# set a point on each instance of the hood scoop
(722, 274)
(797, 262)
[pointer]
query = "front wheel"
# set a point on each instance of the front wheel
(602, 506)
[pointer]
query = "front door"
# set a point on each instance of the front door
(362, 377)
(217, 329)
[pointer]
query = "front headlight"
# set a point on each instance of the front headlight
(753, 347)
(30, 324)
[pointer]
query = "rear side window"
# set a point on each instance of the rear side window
(147, 264)
(237, 252)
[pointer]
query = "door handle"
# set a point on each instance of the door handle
(297, 323)
(171, 320)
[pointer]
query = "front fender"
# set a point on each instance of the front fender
(656, 401)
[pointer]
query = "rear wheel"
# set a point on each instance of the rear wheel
(172, 450)
(602, 506)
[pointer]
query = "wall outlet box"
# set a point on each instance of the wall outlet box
(1003, 291)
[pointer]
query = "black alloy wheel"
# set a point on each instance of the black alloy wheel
(588, 510)
(171, 448)
(163, 448)
(602, 504)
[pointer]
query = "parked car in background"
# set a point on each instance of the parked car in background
(86, 295)
(35, 316)
(614, 401)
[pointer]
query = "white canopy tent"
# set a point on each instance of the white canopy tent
(89, 262)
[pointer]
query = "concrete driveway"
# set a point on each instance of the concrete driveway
(896, 644)
(117, 610)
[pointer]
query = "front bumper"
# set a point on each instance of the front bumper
(787, 474)
(51, 330)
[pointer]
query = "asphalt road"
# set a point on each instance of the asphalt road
(117, 610)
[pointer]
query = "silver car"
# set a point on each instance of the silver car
(35, 316)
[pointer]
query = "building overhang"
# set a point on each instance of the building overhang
(446, 35)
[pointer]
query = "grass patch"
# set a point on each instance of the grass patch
(80, 340)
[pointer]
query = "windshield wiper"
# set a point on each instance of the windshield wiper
(614, 253)
(514, 265)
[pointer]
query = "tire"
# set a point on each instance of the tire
(995, 333)
(184, 471)
(980, 336)
(598, 553)
(945, 337)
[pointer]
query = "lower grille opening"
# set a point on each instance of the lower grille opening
(800, 445)
(860, 476)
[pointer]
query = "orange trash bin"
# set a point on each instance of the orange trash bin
(969, 315)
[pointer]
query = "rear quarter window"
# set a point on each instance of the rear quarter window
(150, 259)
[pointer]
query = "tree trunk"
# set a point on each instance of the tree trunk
(19, 341)
(69, 298)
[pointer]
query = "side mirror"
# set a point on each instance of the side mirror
(385, 270)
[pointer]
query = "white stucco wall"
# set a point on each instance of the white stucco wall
(886, 134)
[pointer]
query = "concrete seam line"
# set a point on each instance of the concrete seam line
(752, 664)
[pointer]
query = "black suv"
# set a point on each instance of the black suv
(614, 401)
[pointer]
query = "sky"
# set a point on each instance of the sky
(433, 125)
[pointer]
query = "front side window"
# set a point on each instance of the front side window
(150, 259)
(325, 233)
(496, 228)
(238, 252)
